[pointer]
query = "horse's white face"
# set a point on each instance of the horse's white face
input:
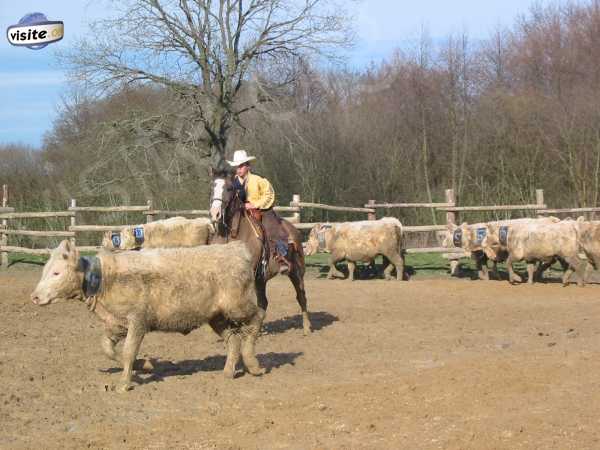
(216, 204)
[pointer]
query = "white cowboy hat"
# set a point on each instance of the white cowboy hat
(240, 157)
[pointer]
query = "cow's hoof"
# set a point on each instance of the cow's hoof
(256, 371)
(229, 374)
(123, 387)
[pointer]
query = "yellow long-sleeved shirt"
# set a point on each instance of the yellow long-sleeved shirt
(259, 191)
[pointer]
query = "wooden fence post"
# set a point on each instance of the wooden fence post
(4, 237)
(149, 217)
(451, 219)
(73, 219)
(539, 200)
(451, 216)
(296, 215)
(371, 216)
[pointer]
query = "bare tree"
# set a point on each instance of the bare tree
(206, 50)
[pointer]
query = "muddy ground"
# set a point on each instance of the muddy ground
(424, 364)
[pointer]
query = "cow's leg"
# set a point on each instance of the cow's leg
(530, 272)
(588, 269)
(575, 265)
(135, 335)
(512, 276)
(541, 268)
(495, 269)
(351, 269)
(250, 332)
(223, 328)
(333, 272)
(297, 278)
(109, 347)
(384, 264)
(397, 261)
(482, 268)
(233, 343)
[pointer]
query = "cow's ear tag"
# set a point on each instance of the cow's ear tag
(116, 240)
(481, 232)
(138, 234)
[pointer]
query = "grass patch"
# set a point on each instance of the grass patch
(417, 265)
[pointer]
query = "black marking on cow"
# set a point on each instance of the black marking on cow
(92, 278)
(116, 240)
(503, 235)
(457, 237)
(138, 234)
(480, 235)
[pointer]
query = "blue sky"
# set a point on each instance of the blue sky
(31, 83)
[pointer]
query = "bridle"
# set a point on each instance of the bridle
(226, 207)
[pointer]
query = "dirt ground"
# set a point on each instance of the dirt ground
(425, 364)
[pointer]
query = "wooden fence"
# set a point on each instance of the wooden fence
(73, 213)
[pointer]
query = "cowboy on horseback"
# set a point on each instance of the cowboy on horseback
(258, 197)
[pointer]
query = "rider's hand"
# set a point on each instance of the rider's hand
(249, 206)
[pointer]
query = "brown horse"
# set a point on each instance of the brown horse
(233, 222)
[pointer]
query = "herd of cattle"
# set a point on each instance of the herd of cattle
(186, 283)
(540, 242)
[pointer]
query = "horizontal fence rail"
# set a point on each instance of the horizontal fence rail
(36, 215)
(109, 208)
(331, 207)
(491, 208)
(408, 205)
(97, 228)
(567, 210)
(181, 212)
(39, 233)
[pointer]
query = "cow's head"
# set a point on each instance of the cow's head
(457, 236)
(447, 236)
(111, 240)
(130, 238)
(318, 239)
(491, 242)
(62, 277)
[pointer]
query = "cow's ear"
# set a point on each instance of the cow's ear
(464, 224)
(581, 219)
(64, 246)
